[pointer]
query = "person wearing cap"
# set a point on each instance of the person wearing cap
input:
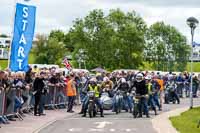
(38, 87)
(35, 69)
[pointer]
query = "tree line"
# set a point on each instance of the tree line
(114, 41)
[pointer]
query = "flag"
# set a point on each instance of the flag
(66, 63)
(24, 26)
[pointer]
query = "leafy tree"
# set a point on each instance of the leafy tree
(3, 35)
(49, 51)
(166, 47)
(58, 34)
(116, 40)
(112, 41)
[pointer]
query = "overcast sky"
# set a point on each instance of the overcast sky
(59, 14)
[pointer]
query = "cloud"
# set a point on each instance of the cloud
(60, 14)
(160, 3)
(172, 15)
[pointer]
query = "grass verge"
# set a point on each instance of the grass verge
(187, 122)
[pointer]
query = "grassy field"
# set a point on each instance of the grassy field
(196, 67)
(4, 63)
(187, 122)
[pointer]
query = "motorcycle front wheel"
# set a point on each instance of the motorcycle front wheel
(91, 110)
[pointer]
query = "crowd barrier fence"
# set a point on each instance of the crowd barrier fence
(13, 100)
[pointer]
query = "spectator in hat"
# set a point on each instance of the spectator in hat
(35, 69)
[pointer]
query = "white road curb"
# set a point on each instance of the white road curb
(162, 124)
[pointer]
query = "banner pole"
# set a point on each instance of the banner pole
(12, 33)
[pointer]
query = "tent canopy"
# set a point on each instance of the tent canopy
(98, 69)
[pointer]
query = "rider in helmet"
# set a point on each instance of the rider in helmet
(125, 88)
(142, 91)
(151, 92)
(107, 82)
(171, 87)
(94, 87)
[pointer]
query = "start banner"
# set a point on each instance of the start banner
(24, 26)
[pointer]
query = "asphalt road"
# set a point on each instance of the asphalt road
(121, 123)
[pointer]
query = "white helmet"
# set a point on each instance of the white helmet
(148, 77)
(123, 80)
(139, 77)
(170, 77)
(93, 79)
(105, 79)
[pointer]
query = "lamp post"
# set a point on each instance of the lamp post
(192, 23)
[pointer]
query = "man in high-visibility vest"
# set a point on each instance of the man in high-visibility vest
(71, 93)
(94, 87)
(151, 92)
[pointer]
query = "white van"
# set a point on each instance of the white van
(44, 66)
(4, 42)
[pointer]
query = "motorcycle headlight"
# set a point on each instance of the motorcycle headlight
(90, 94)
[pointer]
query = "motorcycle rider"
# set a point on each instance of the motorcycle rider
(171, 88)
(107, 82)
(142, 92)
(108, 85)
(124, 87)
(151, 92)
(93, 87)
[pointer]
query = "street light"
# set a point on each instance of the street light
(192, 23)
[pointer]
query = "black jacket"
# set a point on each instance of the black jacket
(38, 86)
(140, 88)
(124, 87)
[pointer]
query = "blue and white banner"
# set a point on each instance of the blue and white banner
(24, 27)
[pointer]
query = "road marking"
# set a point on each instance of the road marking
(99, 130)
(108, 118)
(95, 130)
(75, 129)
(102, 124)
(128, 130)
(112, 130)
